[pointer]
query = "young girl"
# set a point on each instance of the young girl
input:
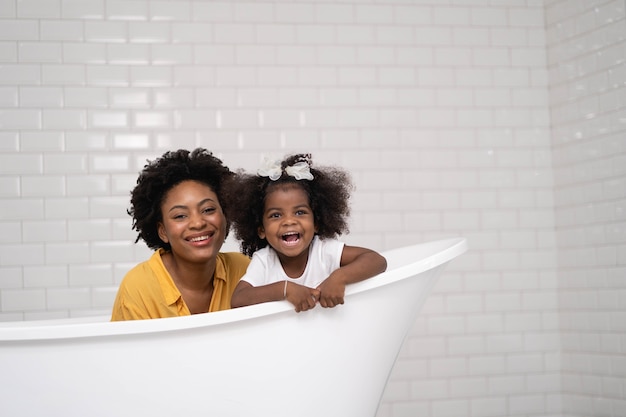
(288, 218)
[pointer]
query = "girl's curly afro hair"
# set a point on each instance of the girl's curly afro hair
(328, 192)
(160, 176)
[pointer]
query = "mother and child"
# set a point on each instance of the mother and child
(287, 216)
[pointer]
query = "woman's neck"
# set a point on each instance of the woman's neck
(194, 281)
(187, 275)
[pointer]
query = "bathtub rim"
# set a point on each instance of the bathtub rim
(95, 326)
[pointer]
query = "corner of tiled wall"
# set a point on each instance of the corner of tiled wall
(587, 57)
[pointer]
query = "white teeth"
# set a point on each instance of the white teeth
(199, 238)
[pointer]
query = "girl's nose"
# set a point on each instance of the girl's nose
(288, 220)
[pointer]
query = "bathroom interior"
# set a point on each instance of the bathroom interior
(501, 121)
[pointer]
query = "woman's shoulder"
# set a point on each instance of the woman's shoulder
(142, 277)
(150, 266)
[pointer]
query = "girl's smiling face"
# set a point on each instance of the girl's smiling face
(193, 222)
(288, 223)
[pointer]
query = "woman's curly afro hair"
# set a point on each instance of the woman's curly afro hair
(328, 192)
(160, 176)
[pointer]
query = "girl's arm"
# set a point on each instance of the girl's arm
(357, 264)
(303, 298)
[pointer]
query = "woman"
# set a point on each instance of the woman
(177, 211)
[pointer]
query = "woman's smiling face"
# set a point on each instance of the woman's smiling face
(288, 222)
(193, 222)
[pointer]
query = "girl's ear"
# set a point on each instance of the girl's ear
(261, 232)
(161, 231)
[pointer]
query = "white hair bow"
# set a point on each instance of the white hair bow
(300, 171)
(271, 168)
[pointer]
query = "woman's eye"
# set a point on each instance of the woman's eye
(209, 210)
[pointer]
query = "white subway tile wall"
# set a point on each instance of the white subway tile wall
(587, 62)
(498, 120)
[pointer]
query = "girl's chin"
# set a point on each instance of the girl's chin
(291, 252)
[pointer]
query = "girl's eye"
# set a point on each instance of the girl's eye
(274, 215)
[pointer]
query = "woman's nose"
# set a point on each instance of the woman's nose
(197, 220)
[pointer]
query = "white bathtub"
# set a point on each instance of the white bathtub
(262, 360)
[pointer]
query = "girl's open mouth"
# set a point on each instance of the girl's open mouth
(291, 238)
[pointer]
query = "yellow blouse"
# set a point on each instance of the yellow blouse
(148, 291)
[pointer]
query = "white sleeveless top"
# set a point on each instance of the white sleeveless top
(324, 258)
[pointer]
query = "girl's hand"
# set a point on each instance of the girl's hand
(303, 298)
(356, 265)
(331, 291)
